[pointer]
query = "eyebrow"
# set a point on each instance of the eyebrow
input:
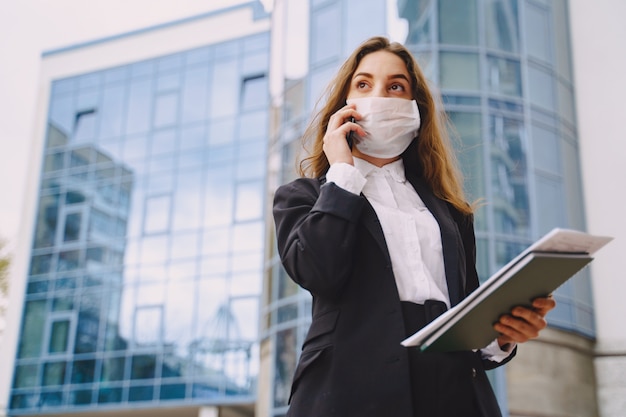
(391, 77)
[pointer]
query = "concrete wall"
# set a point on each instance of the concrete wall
(598, 34)
(553, 376)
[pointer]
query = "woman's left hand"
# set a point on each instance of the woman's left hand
(523, 324)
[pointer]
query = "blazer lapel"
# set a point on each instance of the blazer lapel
(372, 224)
(449, 237)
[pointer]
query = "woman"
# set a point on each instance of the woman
(381, 235)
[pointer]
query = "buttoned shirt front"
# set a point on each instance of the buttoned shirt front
(411, 232)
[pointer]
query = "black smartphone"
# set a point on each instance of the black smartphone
(350, 134)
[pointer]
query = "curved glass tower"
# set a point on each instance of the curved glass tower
(504, 73)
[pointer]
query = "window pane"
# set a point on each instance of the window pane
(541, 86)
(550, 200)
(54, 162)
(285, 360)
(470, 153)
(546, 154)
(501, 19)
(85, 125)
(68, 260)
(109, 395)
(509, 177)
(83, 371)
(249, 201)
(325, 33)
(112, 112)
(458, 22)
(459, 71)
(418, 15)
(72, 227)
(360, 11)
(80, 397)
(46, 225)
(255, 93)
(148, 325)
(141, 393)
(195, 95)
(143, 366)
(112, 369)
(165, 109)
(224, 90)
(157, 214)
(253, 125)
(218, 204)
(188, 200)
(53, 373)
(59, 334)
(504, 77)
(139, 105)
(255, 63)
(62, 113)
(32, 329)
(25, 376)
(538, 39)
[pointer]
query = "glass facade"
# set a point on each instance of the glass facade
(503, 69)
(147, 257)
(150, 256)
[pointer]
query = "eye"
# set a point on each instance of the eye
(397, 87)
(361, 84)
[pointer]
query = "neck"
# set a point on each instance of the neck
(379, 162)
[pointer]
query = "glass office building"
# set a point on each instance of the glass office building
(504, 73)
(147, 256)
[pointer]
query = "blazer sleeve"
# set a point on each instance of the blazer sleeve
(316, 229)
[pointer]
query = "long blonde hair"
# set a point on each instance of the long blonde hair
(429, 156)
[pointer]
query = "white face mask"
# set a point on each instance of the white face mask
(391, 124)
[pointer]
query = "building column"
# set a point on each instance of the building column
(209, 412)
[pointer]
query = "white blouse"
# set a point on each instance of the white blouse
(411, 232)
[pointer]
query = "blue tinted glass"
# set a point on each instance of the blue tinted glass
(325, 31)
(53, 373)
(62, 113)
(121, 229)
(501, 18)
(458, 22)
(143, 366)
(172, 391)
(112, 111)
(165, 110)
(195, 94)
(360, 11)
(109, 395)
(80, 397)
(83, 371)
(505, 76)
(139, 106)
(255, 93)
(224, 89)
(141, 393)
(25, 376)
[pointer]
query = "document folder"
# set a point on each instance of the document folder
(536, 272)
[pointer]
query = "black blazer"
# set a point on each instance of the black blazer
(352, 364)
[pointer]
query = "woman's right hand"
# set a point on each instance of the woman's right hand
(339, 126)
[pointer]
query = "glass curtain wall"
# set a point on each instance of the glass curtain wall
(504, 73)
(147, 257)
